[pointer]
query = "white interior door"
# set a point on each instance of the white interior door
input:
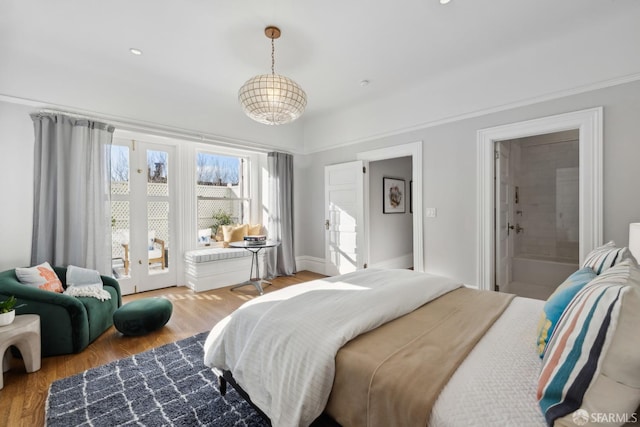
(504, 237)
(344, 217)
(143, 215)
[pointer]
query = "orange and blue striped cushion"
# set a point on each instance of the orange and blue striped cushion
(573, 360)
(557, 302)
(593, 352)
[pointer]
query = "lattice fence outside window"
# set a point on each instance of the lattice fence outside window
(158, 220)
(157, 189)
(219, 199)
(120, 187)
(157, 216)
(119, 224)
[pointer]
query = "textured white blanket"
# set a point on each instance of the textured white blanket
(84, 282)
(281, 347)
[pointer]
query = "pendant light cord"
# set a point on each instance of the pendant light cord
(273, 56)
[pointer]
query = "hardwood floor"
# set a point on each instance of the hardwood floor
(22, 400)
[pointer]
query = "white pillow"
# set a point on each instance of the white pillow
(151, 240)
(204, 236)
(122, 236)
(41, 276)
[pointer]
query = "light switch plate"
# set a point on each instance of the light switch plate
(431, 212)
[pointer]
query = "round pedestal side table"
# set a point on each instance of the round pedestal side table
(254, 248)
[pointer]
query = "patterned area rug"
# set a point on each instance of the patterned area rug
(166, 386)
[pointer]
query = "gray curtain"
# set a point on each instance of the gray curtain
(71, 202)
(281, 259)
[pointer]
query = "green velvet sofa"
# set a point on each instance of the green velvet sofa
(67, 324)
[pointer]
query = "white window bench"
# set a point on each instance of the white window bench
(214, 268)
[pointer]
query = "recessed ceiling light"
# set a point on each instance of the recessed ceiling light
(444, 1)
(135, 51)
(364, 82)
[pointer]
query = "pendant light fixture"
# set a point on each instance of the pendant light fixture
(272, 99)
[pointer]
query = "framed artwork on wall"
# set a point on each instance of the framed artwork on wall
(393, 195)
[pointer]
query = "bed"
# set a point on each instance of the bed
(403, 363)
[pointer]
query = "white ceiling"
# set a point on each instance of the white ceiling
(74, 54)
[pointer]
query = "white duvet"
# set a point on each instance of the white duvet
(281, 347)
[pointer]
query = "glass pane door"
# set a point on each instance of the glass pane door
(158, 211)
(120, 211)
(142, 192)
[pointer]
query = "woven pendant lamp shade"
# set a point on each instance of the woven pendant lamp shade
(272, 99)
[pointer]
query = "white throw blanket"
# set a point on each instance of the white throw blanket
(83, 282)
(281, 347)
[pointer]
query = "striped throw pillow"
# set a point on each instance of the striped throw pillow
(606, 256)
(592, 361)
(557, 302)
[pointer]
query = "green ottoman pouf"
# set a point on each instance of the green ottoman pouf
(142, 316)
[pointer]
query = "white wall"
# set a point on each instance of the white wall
(16, 185)
(540, 70)
(450, 152)
(390, 235)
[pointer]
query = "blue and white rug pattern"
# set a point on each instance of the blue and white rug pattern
(166, 386)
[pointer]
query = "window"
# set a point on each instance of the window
(222, 191)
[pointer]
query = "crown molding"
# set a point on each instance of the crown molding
(523, 103)
(141, 126)
(129, 124)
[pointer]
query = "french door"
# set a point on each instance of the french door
(143, 194)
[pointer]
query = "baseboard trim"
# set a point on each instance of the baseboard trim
(316, 265)
(404, 261)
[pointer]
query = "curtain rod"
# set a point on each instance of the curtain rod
(169, 131)
(68, 113)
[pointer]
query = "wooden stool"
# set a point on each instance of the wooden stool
(24, 333)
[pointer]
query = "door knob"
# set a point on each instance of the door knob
(326, 224)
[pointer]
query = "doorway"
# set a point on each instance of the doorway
(537, 212)
(390, 230)
(413, 188)
(347, 209)
(589, 126)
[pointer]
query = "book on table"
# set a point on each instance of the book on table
(255, 240)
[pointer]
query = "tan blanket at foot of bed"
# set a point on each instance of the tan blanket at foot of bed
(393, 374)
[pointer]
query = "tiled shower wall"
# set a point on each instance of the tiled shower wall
(546, 173)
